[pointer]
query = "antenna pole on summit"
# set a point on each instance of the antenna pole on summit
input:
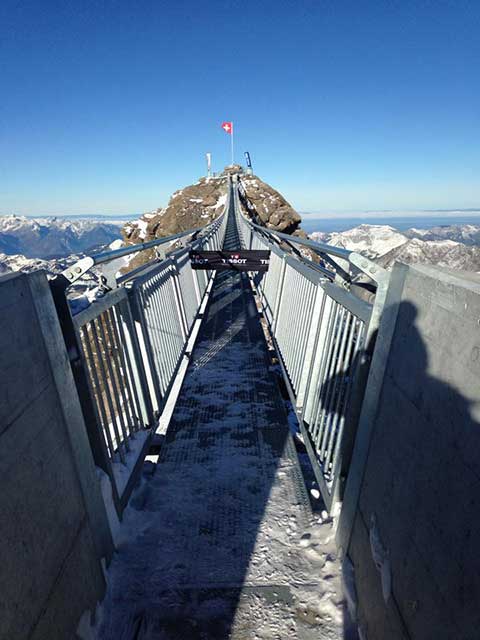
(231, 141)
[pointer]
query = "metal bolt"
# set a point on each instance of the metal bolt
(78, 270)
(364, 264)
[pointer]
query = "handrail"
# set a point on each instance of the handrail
(77, 270)
(318, 246)
(366, 265)
(125, 349)
(323, 332)
(107, 256)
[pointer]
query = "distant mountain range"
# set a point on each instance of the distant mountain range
(93, 217)
(52, 244)
(19, 262)
(450, 246)
(49, 238)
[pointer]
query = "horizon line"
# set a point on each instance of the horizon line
(312, 215)
(390, 213)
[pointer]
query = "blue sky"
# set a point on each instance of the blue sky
(108, 107)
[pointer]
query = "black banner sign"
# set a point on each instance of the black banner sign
(240, 260)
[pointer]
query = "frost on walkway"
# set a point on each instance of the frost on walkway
(220, 543)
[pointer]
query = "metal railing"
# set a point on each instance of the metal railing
(321, 303)
(126, 347)
(165, 299)
(323, 332)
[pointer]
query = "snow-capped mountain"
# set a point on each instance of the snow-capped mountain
(452, 246)
(53, 244)
(369, 239)
(467, 233)
(48, 238)
(441, 253)
(21, 263)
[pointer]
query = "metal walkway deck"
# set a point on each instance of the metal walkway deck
(218, 542)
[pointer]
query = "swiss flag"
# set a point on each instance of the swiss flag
(227, 127)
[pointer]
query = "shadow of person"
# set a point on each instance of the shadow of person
(420, 488)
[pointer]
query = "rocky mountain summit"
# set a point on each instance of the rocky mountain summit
(199, 204)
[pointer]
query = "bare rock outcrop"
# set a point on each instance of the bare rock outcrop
(267, 206)
(199, 204)
(189, 208)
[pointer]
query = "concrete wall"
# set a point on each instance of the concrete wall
(53, 528)
(411, 518)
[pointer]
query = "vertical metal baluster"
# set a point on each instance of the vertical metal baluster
(282, 319)
(334, 398)
(161, 327)
(175, 278)
(312, 350)
(97, 391)
(178, 305)
(150, 288)
(134, 410)
(326, 356)
(350, 362)
(171, 323)
(113, 420)
(118, 371)
(196, 286)
(297, 326)
(139, 304)
(138, 383)
(116, 395)
(278, 298)
(154, 317)
(331, 381)
(175, 334)
(288, 306)
(154, 320)
(308, 304)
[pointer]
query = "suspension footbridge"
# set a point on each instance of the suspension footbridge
(218, 378)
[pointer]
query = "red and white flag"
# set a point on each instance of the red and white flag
(227, 127)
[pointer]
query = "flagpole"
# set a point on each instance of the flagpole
(232, 142)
